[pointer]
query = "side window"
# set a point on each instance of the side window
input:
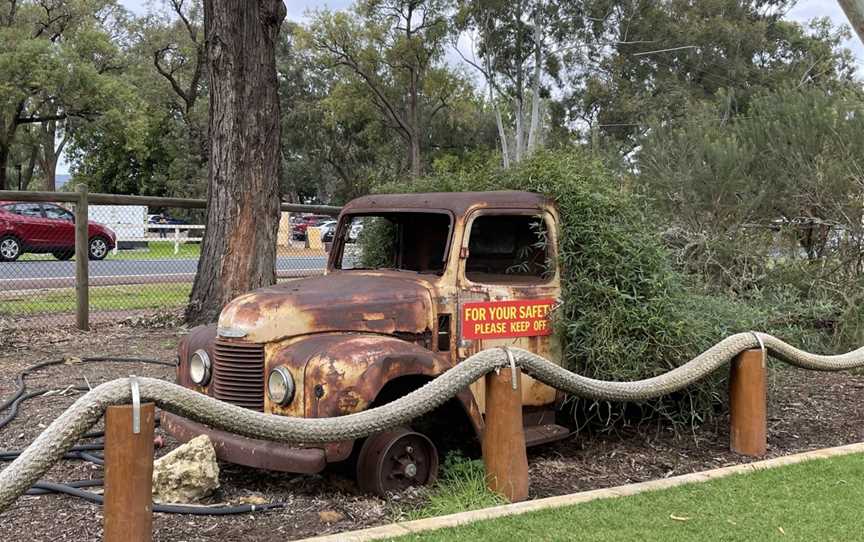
(371, 242)
(33, 210)
(57, 213)
(508, 249)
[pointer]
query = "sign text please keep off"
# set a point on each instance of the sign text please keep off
(506, 319)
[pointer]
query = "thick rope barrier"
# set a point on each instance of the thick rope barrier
(50, 446)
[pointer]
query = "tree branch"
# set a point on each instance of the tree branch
(157, 55)
(178, 8)
(349, 62)
(34, 119)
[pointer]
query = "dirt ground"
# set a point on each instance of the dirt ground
(807, 410)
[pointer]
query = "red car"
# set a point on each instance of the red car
(45, 227)
(298, 231)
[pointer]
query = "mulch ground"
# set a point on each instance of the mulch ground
(807, 410)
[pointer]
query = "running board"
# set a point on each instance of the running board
(544, 434)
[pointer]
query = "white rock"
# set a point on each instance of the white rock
(187, 474)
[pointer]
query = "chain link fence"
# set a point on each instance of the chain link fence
(142, 254)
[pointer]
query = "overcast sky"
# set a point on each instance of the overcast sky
(804, 11)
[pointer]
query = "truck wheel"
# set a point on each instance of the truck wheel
(395, 460)
(10, 248)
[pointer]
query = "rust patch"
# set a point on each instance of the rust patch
(459, 203)
(378, 302)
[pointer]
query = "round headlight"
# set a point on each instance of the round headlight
(199, 367)
(280, 386)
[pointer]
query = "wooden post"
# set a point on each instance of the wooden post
(748, 404)
(128, 475)
(504, 437)
(82, 260)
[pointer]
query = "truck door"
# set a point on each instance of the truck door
(508, 285)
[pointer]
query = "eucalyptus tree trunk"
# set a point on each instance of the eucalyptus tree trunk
(4, 163)
(50, 152)
(499, 121)
(239, 249)
(534, 130)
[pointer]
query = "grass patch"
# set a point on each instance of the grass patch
(816, 500)
(159, 250)
(156, 250)
(127, 297)
(460, 487)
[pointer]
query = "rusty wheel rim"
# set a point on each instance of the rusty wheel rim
(395, 460)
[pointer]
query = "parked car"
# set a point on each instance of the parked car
(298, 231)
(328, 229)
(47, 228)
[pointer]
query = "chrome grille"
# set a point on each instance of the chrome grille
(238, 374)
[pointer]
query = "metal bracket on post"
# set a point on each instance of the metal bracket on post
(761, 347)
(136, 404)
(512, 360)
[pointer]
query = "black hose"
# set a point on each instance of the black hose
(13, 408)
(92, 458)
(18, 396)
(76, 491)
(96, 482)
(77, 452)
(82, 451)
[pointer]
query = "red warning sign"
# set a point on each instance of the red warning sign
(506, 319)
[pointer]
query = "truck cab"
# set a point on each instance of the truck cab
(415, 284)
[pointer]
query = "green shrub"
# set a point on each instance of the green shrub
(627, 314)
(461, 487)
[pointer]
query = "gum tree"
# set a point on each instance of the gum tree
(239, 249)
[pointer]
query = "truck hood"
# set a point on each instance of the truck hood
(384, 302)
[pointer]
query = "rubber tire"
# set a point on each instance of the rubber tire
(63, 255)
(90, 255)
(20, 248)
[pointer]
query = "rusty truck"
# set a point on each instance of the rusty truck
(414, 284)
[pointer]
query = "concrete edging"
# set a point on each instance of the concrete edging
(417, 526)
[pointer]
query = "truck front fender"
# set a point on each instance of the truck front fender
(346, 373)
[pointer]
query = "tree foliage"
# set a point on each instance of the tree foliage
(651, 61)
(393, 47)
(771, 201)
(57, 61)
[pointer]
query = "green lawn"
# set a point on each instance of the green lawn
(127, 297)
(817, 500)
(157, 250)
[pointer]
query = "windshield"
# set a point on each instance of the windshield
(404, 241)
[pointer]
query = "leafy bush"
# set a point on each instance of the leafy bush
(627, 314)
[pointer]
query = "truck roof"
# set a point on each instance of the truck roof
(457, 202)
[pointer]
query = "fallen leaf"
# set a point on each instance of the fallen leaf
(330, 516)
